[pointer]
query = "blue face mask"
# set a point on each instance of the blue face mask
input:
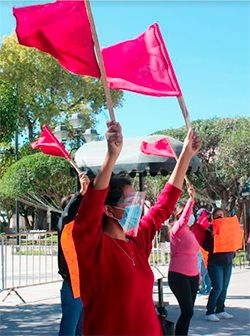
(131, 217)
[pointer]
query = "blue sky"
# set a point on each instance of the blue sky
(208, 43)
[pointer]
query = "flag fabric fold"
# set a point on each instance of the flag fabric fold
(203, 220)
(160, 147)
(62, 30)
(141, 65)
(50, 145)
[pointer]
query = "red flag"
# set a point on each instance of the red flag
(141, 65)
(203, 220)
(50, 145)
(62, 30)
(159, 148)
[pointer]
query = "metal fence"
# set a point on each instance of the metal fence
(160, 254)
(28, 259)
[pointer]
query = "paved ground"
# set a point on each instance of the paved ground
(41, 313)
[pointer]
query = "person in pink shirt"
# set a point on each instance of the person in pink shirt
(116, 281)
(183, 275)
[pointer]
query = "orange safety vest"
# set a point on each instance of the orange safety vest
(228, 235)
(70, 256)
(204, 254)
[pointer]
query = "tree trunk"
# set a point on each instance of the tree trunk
(28, 225)
(40, 220)
(31, 131)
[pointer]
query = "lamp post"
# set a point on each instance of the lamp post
(77, 122)
(17, 202)
(61, 132)
(91, 135)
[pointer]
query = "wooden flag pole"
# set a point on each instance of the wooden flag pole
(73, 164)
(188, 124)
(188, 183)
(100, 60)
(184, 111)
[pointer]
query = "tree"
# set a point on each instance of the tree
(225, 156)
(36, 178)
(8, 111)
(46, 93)
(30, 176)
(7, 205)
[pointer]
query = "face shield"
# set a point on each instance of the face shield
(132, 212)
(191, 220)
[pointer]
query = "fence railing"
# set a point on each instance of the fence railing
(160, 254)
(28, 259)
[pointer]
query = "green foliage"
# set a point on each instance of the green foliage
(46, 92)
(7, 158)
(8, 111)
(225, 156)
(234, 152)
(39, 174)
(36, 90)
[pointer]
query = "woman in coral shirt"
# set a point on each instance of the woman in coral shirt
(183, 276)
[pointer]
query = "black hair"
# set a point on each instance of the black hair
(216, 210)
(65, 200)
(116, 186)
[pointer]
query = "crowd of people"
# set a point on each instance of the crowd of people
(111, 293)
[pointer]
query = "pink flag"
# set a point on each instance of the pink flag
(141, 65)
(159, 148)
(50, 145)
(62, 30)
(203, 220)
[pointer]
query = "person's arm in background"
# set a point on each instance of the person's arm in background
(114, 142)
(84, 183)
(166, 201)
(187, 211)
(191, 146)
(170, 194)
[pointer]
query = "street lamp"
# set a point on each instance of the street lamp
(91, 135)
(77, 121)
(61, 132)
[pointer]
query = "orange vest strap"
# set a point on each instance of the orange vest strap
(70, 256)
(204, 254)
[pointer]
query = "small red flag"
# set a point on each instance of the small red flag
(159, 148)
(141, 65)
(203, 220)
(50, 145)
(62, 30)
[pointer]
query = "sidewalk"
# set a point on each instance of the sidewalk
(41, 313)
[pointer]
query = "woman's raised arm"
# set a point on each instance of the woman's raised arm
(114, 142)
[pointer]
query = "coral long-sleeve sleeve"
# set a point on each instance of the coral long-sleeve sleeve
(183, 220)
(157, 214)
